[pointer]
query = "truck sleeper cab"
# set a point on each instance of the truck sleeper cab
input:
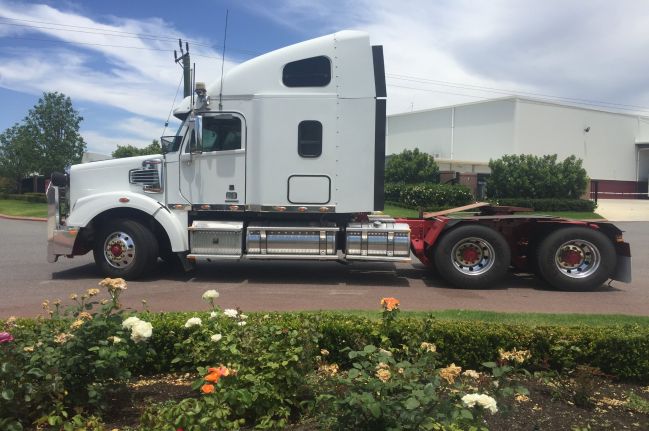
(284, 158)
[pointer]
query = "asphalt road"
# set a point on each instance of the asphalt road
(26, 279)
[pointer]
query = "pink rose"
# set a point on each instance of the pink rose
(5, 337)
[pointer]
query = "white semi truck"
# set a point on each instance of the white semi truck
(283, 158)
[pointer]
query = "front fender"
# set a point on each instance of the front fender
(87, 208)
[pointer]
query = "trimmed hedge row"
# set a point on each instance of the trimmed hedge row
(550, 204)
(428, 196)
(617, 350)
(28, 197)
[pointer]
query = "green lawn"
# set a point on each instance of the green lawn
(22, 208)
(396, 211)
(532, 319)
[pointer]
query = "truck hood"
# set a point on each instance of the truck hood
(105, 176)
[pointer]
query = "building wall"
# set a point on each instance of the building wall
(607, 148)
(430, 131)
(482, 131)
(489, 130)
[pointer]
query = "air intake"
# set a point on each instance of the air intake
(150, 176)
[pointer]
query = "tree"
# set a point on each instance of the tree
(17, 156)
(52, 127)
(131, 151)
(534, 177)
(411, 167)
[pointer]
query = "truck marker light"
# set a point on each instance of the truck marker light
(234, 207)
(324, 209)
(205, 207)
(124, 200)
(280, 209)
(302, 209)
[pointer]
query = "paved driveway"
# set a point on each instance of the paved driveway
(624, 209)
(26, 279)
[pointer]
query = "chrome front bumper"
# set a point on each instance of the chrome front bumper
(60, 239)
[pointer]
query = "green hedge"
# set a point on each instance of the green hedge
(428, 196)
(618, 350)
(550, 204)
(28, 197)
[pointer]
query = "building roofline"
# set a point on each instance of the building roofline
(517, 98)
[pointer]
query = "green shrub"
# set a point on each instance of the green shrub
(615, 350)
(528, 176)
(431, 196)
(411, 167)
(550, 204)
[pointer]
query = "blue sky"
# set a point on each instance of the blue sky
(114, 58)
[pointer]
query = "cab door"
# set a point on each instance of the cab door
(213, 162)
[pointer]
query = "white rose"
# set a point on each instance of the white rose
(116, 340)
(243, 316)
(213, 315)
(141, 331)
(194, 321)
(230, 312)
(216, 337)
(470, 400)
(241, 323)
(488, 403)
(128, 323)
(210, 294)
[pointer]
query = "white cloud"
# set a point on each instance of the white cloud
(590, 50)
(92, 66)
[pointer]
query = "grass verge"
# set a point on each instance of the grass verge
(397, 211)
(529, 319)
(22, 208)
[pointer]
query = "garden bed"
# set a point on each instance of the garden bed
(222, 369)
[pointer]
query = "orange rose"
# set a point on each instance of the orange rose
(207, 389)
(390, 303)
(212, 377)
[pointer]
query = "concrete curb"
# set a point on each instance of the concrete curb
(8, 217)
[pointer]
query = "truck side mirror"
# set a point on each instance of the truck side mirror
(198, 133)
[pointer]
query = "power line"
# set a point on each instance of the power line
(511, 92)
(544, 99)
(99, 31)
(88, 43)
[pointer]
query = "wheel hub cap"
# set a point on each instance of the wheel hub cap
(119, 250)
(473, 256)
(577, 258)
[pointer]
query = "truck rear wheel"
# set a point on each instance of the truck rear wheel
(472, 256)
(576, 258)
(126, 249)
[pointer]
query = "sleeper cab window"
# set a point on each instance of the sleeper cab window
(310, 72)
(309, 138)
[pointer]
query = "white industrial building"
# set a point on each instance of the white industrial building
(462, 138)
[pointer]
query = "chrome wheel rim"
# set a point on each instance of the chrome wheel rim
(119, 250)
(473, 256)
(577, 258)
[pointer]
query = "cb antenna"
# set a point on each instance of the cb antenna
(225, 36)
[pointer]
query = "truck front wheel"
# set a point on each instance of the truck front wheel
(576, 258)
(472, 256)
(126, 249)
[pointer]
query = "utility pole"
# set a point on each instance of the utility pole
(186, 65)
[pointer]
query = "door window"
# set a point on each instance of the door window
(221, 134)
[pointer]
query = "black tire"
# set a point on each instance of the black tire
(472, 256)
(133, 252)
(576, 259)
